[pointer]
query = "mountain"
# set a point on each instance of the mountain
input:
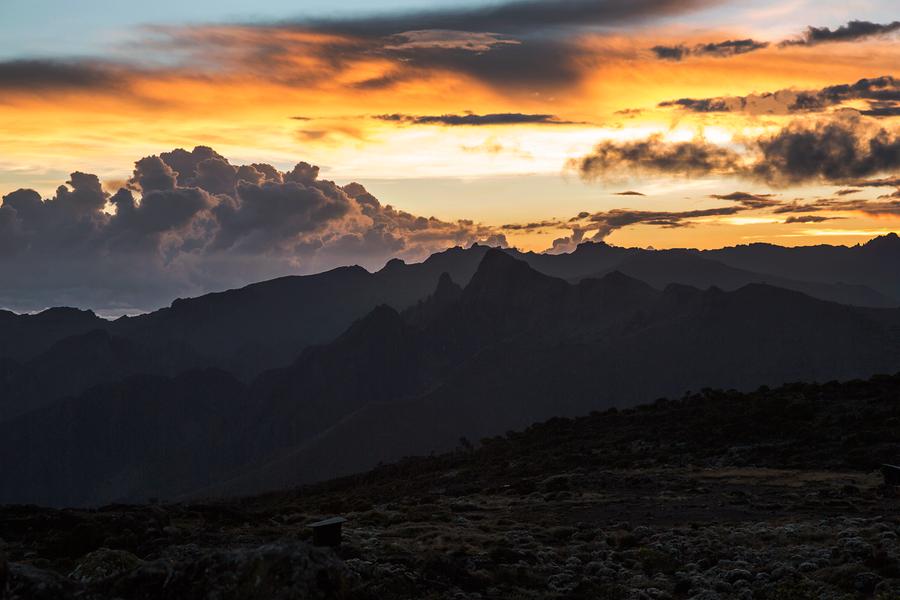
(664, 267)
(268, 324)
(873, 264)
(77, 363)
(23, 337)
(513, 347)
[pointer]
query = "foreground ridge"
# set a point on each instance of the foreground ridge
(770, 494)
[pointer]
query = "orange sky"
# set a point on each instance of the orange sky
(223, 94)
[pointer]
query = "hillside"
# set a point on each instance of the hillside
(773, 494)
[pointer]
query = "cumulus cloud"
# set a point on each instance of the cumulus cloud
(724, 49)
(838, 150)
(852, 31)
(654, 155)
(882, 94)
(190, 222)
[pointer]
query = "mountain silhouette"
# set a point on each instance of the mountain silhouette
(873, 264)
(661, 268)
(267, 325)
(513, 347)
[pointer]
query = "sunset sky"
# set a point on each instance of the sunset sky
(539, 124)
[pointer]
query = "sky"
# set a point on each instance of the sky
(531, 123)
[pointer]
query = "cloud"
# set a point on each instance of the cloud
(842, 149)
(884, 206)
(629, 193)
(521, 46)
(852, 31)
(724, 49)
(601, 224)
(885, 182)
(471, 119)
(810, 219)
(881, 93)
(191, 222)
(654, 156)
(449, 40)
(516, 46)
(837, 150)
(516, 16)
(749, 200)
(42, 75)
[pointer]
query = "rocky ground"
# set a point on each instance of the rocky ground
(771, 495)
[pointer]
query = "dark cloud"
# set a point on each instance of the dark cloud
(531, 226)
(535, 62)
(852, 31)
(516, 16)
(883, 109)
(629, 193)
(847, 191)
(838, 150)
(521, 45)
(885, 206)
(602, 224)
(724, 49)
(749, 200)
(886, 182)
(654, 155)
(41, 75)
(475, 120)
(842, 149)
(881, 93)
(190, 222)
(810, 219)
(516, 45)
(797, 207)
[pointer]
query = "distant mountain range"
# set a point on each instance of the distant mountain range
(257, 388)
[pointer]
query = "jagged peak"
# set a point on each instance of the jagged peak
(394, 264)
(496, 256)
(888, 240)
(446, 286)
(497, 264)
(378, 321)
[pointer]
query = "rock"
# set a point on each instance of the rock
(865, 583)
(29, 583)
(104, 564)
(738, 575)
(856, 547)
(278, 571)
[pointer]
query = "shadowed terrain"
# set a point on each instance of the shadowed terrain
(773, 494)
